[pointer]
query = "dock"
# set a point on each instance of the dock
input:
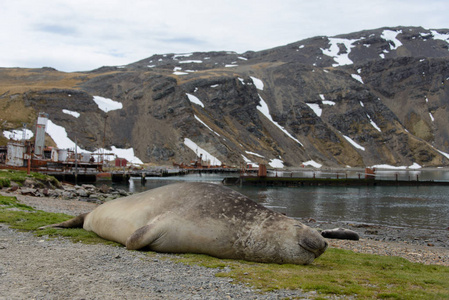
(300, 182)
(92, 176)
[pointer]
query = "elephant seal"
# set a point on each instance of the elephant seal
(202, 218)
(340, 233)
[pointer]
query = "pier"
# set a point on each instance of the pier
(299, 182)
(92, 176)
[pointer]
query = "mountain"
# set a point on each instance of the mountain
(361, 99)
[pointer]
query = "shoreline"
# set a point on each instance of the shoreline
(34, 267)
(417, 245)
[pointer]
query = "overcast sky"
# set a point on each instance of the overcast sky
(83, 35)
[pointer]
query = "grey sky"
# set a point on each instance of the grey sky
(84, 35)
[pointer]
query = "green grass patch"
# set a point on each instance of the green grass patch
(7, 176)
(25, 218)
(340, 272)
(336, 272)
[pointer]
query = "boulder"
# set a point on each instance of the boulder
(28, 191)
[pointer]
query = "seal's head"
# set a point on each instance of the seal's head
(296, 243)
(311, 240)
(309, 245)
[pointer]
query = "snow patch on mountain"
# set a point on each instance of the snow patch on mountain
(312, 163)
(340, 57)
(415, 166)
(258, 83)
(391, 37)
(373, 124)
(276, 163)
(194, 99)
(388, 167)
(106, 104)
(176, 56)
(72, 113)
(358, 78)
(353, 143)
(255, 154)
(316, 108)
(199, 120)
(326, 102)
(17, 134)
(263, 108)
(178, 71)
(440, 36)
(59, 136)
(190, 62)
(248, 161)
(198, 150)
(443, 153)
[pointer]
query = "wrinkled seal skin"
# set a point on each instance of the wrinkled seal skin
(202, 218)
(340, 233)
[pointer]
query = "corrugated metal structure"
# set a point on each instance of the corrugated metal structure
(15, 154)
(36, 157)
(121, 162)
(41, 126)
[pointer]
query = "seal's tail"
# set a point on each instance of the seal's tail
(76, 222)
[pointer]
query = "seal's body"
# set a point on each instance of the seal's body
(340, 233)
(202, 218)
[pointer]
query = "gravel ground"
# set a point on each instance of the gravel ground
(60, 269)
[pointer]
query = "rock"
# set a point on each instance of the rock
(371, 232)
(122, 192)
(15, 185)
(104, 189)
(95, 197)
(28, 191)
(111, 197)
(82, 192)
(68, 195)
(55, 193)
(89, 187)
(31, 183)
(45, 192)
(69, 188)
(12, 189)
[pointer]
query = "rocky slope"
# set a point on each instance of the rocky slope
(361, 99)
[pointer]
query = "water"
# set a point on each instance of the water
(419, 206)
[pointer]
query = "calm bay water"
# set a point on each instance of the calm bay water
(420, 206)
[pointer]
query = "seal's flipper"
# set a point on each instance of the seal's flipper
(142, 237)
(148, 234)
(76, 222)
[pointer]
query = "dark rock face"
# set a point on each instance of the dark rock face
(372, 97)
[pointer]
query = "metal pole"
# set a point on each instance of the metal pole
(76, 161)
(104, 137)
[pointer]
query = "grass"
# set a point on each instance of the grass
(6, 176)
(341, 272)
(26, 218)
(337, 272)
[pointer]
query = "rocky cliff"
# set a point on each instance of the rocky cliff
(361, 99)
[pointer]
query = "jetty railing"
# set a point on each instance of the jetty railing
(337, 178)
(408, 175)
